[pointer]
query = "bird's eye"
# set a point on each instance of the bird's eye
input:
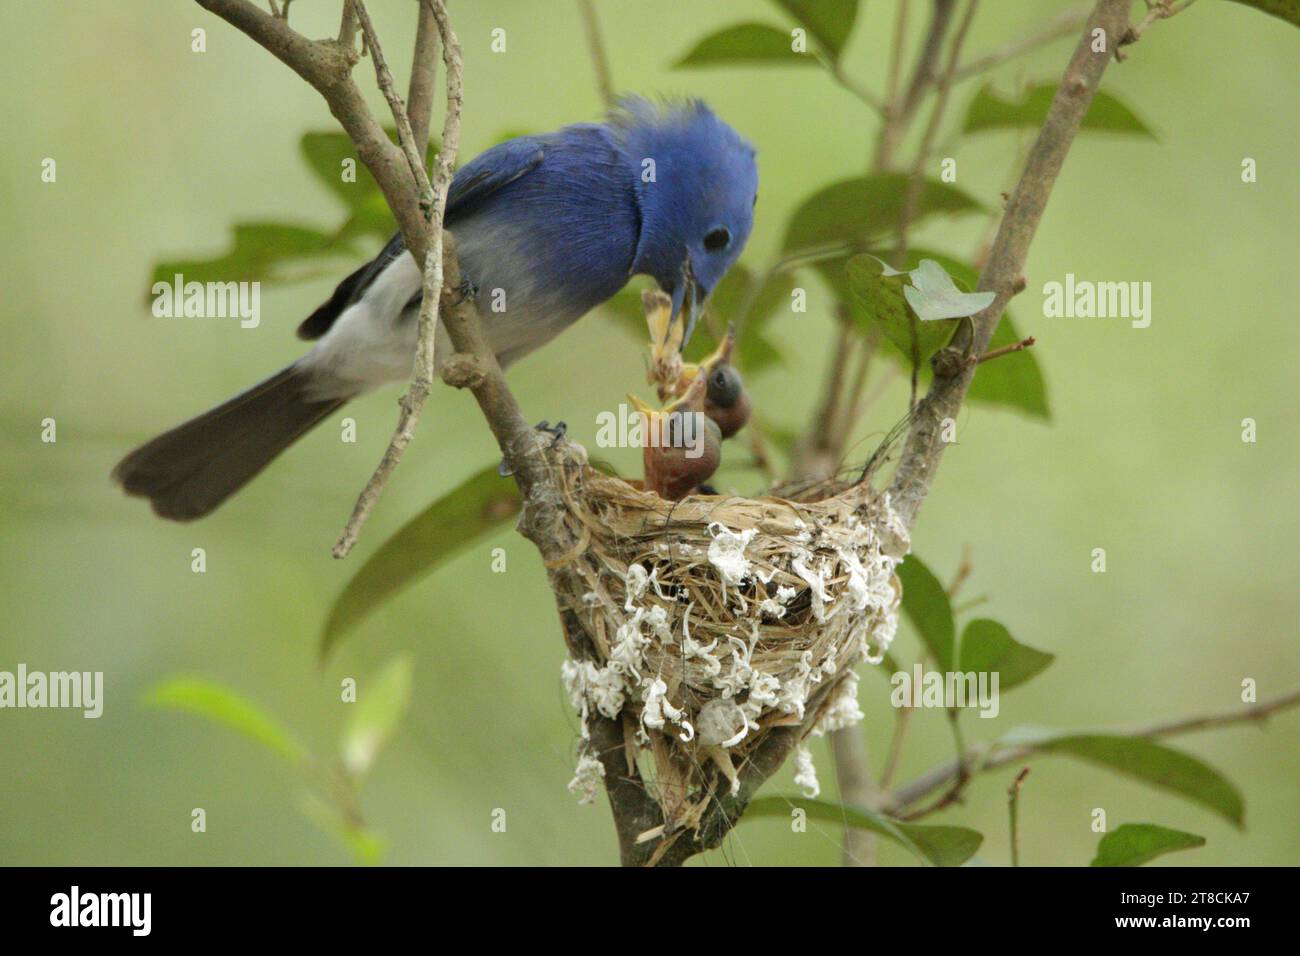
(717, 239)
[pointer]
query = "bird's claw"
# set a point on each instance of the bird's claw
(556, 431)
(467, 290)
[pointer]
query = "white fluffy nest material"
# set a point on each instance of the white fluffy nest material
(716, 619)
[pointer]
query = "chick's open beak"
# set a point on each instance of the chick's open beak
(719, 356)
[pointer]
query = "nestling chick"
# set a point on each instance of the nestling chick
(682, 445)
(725, 400)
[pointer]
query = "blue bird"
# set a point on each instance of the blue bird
(547, 228)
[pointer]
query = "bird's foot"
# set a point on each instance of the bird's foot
(467, 290)
(556, 431)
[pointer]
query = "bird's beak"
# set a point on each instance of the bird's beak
(687, 297)
(690, 400)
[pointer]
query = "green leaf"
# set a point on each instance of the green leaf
(936, 845)
(223, 706)
(258, 253)
(1133, 844)
(829, 21)
(449, 525)
(381, 703)
(367, 847)
(925, 602)
(1145, 760)
(854, 210)
(325, 153)
(1288, 10)
(371, 217)
(368, 212)
(1015, 381)
(747, 43)
(882, 299)
(1107, 114)
(987, 646)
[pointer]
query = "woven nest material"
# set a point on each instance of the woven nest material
(716, 619)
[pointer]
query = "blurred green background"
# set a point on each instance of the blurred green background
(160, 150)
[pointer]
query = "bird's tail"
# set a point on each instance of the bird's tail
(188, 471)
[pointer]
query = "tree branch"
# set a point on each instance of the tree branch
(327, 66)
(599, 59)
(853, 778)
(980, 759)
(400, 173)
(424, 75)
(924, 446)
(900, 110)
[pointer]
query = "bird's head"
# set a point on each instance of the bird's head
(697, 183)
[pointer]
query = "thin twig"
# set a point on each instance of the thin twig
(962, 574)
(983, 759)
(815, 456)
(1158, 10)
(901, 723)
(348, 26)
(424, 76)
(405, 135)
(433, 200)
(896, 55)
(1013, 805)
(1064, 25)
(851, 406)
(902, 108)
(853, 777)
(1004, 350)
(599, 58)
(924, 446)
(847, 82)
(916, 179)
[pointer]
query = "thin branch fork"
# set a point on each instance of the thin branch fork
(924, 445)
(400, 173)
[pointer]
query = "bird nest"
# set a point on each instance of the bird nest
(716, 620)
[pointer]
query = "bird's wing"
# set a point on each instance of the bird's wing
(490, 171)
(349, 291)
(487, 173)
